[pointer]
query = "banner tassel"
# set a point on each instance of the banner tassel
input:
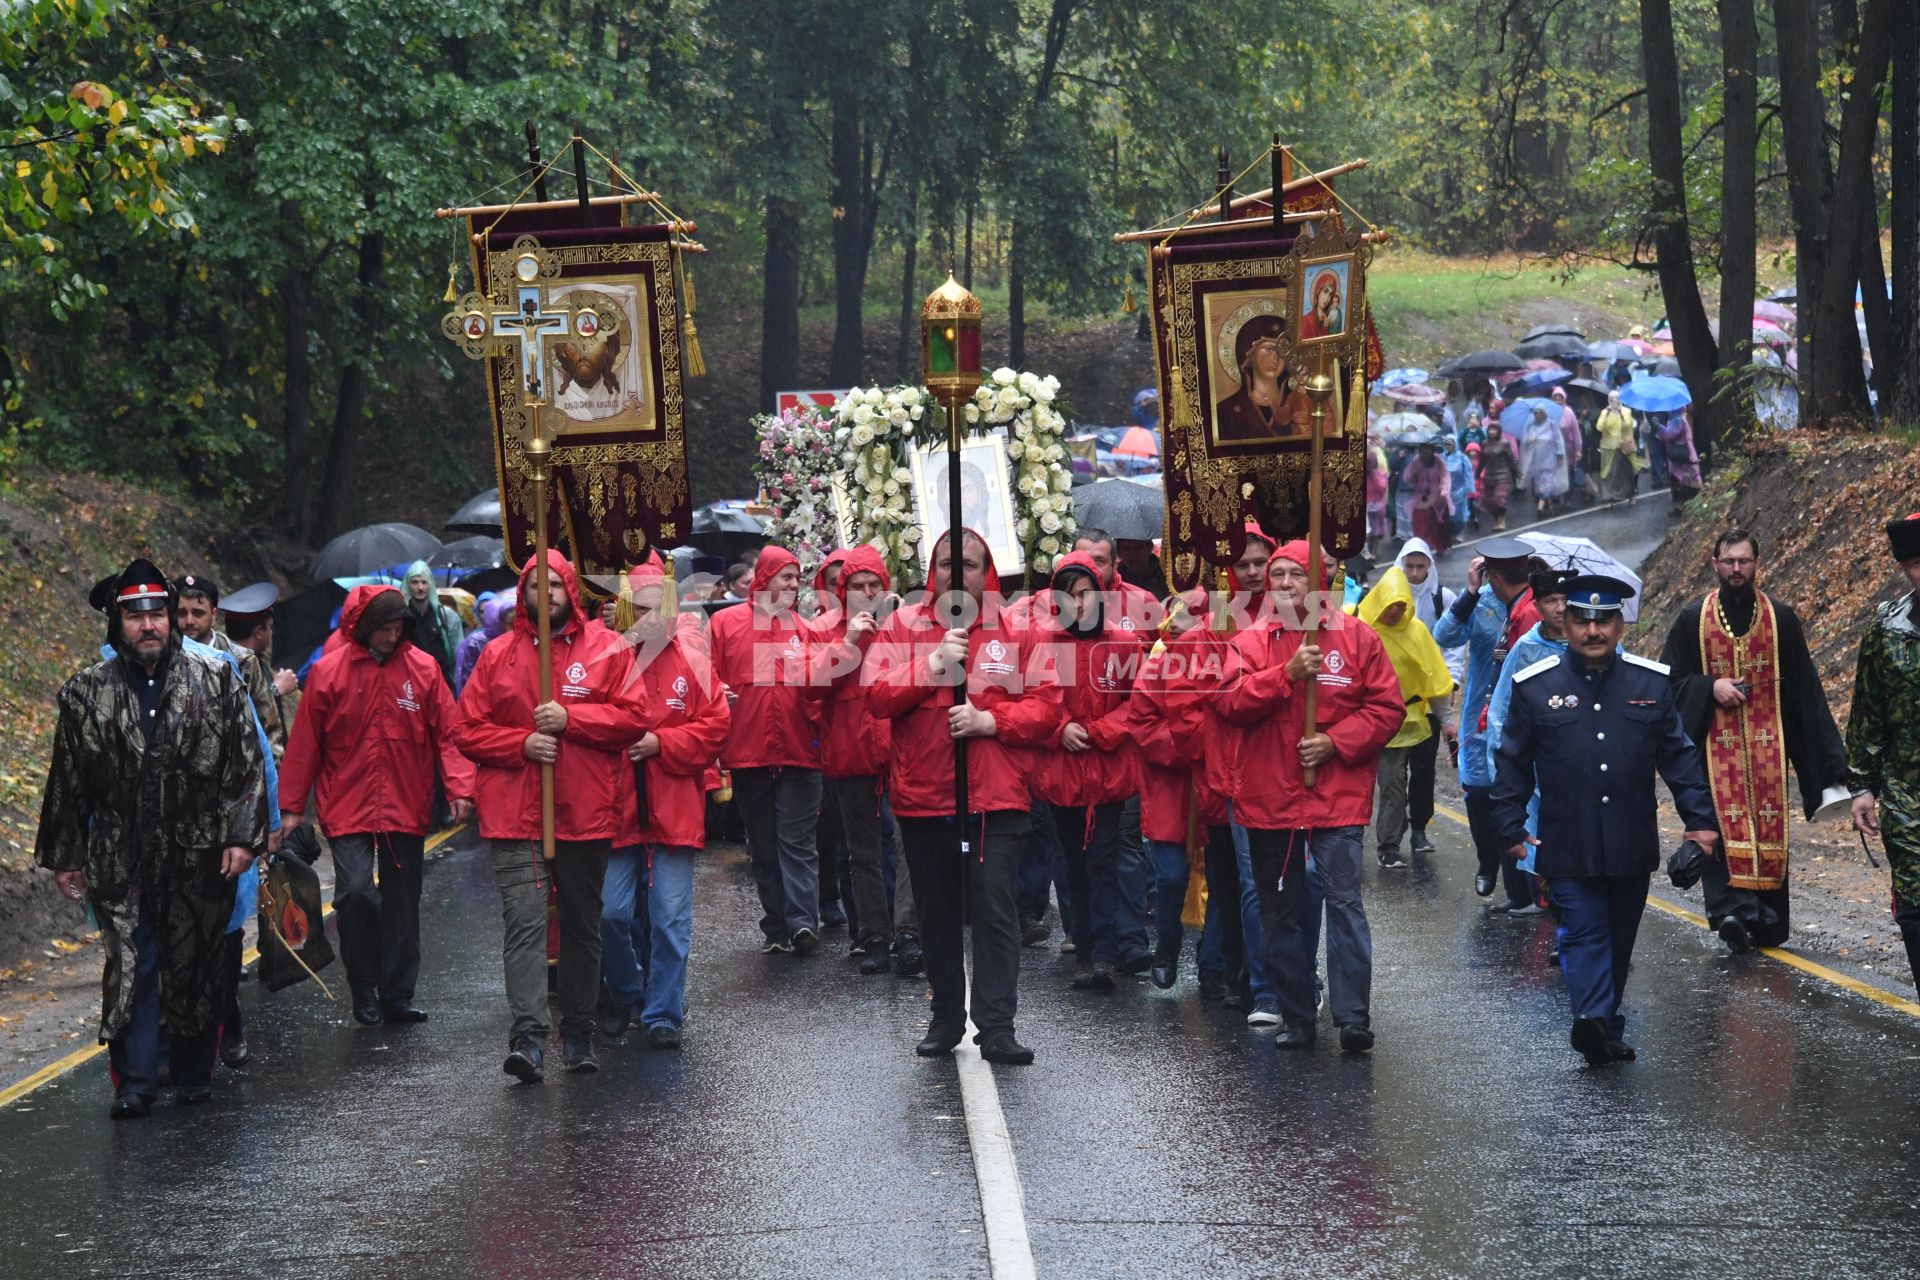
(1180, 413)
(1128, 307)
(696, 364)
(453, 272)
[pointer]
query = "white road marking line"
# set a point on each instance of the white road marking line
(1002, 1207)
(1521, 532)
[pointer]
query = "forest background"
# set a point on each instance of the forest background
(220, 274)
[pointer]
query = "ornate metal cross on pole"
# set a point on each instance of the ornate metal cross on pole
(484, 328)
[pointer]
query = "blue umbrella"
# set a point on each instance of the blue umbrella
(1656, 394)
(1542, 379)
(1515, 418)
(1399, 378)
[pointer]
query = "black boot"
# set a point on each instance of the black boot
(366, 1007)
(1001, 1047)
(1165, 973)
(526, 1062)
(939, 1040)
(615, 1019)
(873, 956)
(1299, 1035)
(1590, 1038)
(909, 961)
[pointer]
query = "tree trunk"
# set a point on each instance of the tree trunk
(1739, 53)
(296, 340)
(1838, 385)
(850, 240)
(1016, 302)
(1803, 122)
(1693, 342)
(780, 301)
(328, 509)
(906, 349)
(1902, 363)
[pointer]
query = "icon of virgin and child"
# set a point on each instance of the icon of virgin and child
(1270, 402)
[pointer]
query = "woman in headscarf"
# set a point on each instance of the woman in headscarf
(1543, 459)
(1460, 477)
(496, 615)
(1576, 452)
(1683, 464)
(1425, 684)
(1431, 486)
(1619, 457)
(1499, 473)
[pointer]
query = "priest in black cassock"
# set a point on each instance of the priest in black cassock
(1750, 697)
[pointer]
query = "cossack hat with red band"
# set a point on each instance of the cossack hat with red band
(138, 588)
(1904, 537)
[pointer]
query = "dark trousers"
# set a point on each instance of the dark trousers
(1422, 763)
(1043, 870)
(578, 870)
(830, 837)
(1223, 905)
(1486, 845)
(781, 808)
(379, 925)
(864, 819)
(1765, 912)
(1599, 919)
(1907, 916)
(231, 1028)
(1293, 895)
(135, 1052)
(951, 892)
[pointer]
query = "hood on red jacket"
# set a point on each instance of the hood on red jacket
(356, 607)
(1298, 552)
(771, 561)
(820, 575)
(1076, 562)
(993, 576)
(861, 559)
(559, 566)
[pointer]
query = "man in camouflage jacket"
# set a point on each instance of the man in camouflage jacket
(1883, 735)
(155, 802)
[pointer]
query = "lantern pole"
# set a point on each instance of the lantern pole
(538, 451)
(1320, 387)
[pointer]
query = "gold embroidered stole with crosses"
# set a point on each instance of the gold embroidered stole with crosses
(1746, 747)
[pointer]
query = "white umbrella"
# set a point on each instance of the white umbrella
(1584, 555)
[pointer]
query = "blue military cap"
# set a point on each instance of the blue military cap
(257, 598)
(1595, 593)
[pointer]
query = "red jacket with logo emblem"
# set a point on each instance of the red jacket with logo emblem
(606, 712)
(1180, 737)
(1007, 675)
(854, 743)
(1096, 676)
(1359, 707)
(369, 736)
(767, 661)
(691, 722)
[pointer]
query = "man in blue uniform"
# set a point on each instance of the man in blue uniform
(1591, 726)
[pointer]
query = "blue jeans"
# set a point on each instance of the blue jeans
(1090, 837)
(1042, 869)
(1263, 996)
(670, 917)
(1291, 920)
(624, 926)
(1133, 872)
(1599, 920)
(1171, 874)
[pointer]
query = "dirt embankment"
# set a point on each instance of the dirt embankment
(1819, 504)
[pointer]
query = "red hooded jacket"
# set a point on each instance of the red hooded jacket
(369, 735)
(854, 743)
(606, 712)
(1007, 675)
(768, 661)
(1096, 675)
(1182, 741)
(691, 719)
(1359, 707)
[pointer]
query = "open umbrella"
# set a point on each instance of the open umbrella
(1553, 346)
(727, 528)
(468, 555)
(1781, 315)
(1656, 394)
(1554, 330)
(1515, 418)
(1415, 393)
(1584, 555)
(1665, 367)
(478, 514)
(1535, 381)
(1611, 351)
(1123, 508)
(1414, 439)
(1484, 362)
(371, 548)
(1400, 378)
(1587, 389)
(1138, 442)
(1391, 424)
(1788, 294)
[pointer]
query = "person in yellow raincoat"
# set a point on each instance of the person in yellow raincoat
(1426, 685)
(1619, 462)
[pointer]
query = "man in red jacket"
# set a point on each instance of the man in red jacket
(596, 713)
(375, 720)
(1013, 707)
(855, 747)
(663, 814)
(764, 654)
(1359, 708)
(1090, 770)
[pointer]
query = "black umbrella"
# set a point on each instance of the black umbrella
(1589, 388)
(1552, 346)
(1566, 330)
(1611, 351)
(1788, 294)
(477, 552)
(478, 514)
(1124, 509)
(369, 549)
(1485, 362)
(728, 530)
(1666, 368)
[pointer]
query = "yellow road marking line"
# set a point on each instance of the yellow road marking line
(1790, 958)
(80, 1057)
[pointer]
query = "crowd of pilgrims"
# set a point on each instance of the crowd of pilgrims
(1121, 751)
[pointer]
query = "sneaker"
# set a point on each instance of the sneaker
(1035, 932)
(526, 1061)
(576, 1053)
(663, 1035)
(1264, 1015)
(805, 942)
(874, 961)
(1390, 860)
(1067, 948)
(1419, 843)
(776, 946)
(1319, 993)
(1102, 977)
(1529, 909)
(1082, 976)
(615, 1019)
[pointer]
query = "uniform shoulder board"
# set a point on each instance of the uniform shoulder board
(1533, 669)
(1648, 663)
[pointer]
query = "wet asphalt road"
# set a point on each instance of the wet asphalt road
(1770, 1124)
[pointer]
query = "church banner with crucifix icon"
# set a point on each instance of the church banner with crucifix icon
(600, 356)
(1746, 750)
(1241, 321)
